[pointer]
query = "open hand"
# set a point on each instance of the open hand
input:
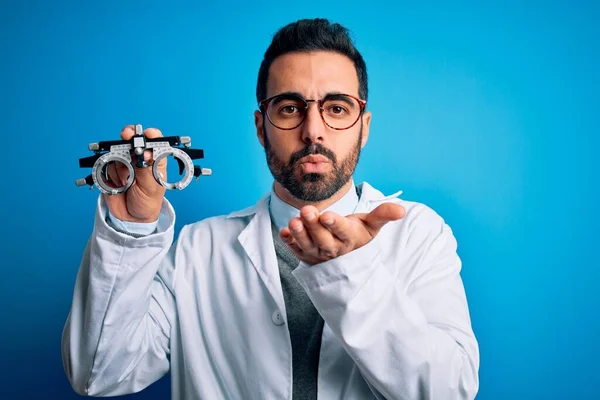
(317, 238)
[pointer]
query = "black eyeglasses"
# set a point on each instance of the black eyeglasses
(288, 110)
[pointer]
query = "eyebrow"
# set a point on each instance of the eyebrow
(340, 96)
(286, 95)
(328, 96)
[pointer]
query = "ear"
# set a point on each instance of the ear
(258, 122)
(366, 121)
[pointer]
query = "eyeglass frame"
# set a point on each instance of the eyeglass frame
(264, 104)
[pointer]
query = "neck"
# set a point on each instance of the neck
(320, 205)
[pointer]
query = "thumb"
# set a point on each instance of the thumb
(382, 214)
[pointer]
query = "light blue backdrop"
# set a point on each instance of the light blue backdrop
(487, 113)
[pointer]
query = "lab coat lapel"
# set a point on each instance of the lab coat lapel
(257, 241)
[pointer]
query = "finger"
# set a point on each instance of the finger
(297, 250)
(300, 235)
(148, 157)
(338, 225)
(127, 132)
(286, 235)
(122, 173)
(152, 133)
(319, 234)
(117, 174)
(382, 214)
(111, 176)
(288, 239)
(143, 176)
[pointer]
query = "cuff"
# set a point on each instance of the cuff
(107, 225)
(134, 228)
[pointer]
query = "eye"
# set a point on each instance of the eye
(337, 110)
(289, 109)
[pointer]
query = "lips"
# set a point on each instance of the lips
(313, 158)
(314, 164)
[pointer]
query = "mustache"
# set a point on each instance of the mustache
(313, 149)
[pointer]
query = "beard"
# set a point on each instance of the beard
(312, 187)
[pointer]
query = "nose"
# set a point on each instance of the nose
(313, 127)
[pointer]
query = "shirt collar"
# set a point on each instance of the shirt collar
(282, 212)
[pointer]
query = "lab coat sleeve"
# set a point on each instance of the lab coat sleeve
(116, 337)
(410, 340)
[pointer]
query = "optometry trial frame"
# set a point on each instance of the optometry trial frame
(108, 153)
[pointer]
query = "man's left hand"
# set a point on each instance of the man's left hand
(316, 238)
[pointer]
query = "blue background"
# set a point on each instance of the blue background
(486, 112)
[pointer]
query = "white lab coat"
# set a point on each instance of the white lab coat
(211, 308)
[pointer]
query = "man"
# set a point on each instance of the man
(322, 290)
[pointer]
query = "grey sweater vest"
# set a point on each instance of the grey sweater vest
(304, 323)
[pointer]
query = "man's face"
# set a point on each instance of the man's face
(313, 161)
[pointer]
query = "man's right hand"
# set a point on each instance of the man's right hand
(142, 202)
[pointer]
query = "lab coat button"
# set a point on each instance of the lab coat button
(277, 318)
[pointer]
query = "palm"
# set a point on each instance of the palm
(314, 240)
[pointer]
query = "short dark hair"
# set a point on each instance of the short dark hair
(307, 35)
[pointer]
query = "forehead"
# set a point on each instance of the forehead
(313, 74)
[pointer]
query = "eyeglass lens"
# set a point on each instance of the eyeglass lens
(338, 111)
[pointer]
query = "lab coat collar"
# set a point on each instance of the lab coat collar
(248, 211)
(371, 197)
(368, 196)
